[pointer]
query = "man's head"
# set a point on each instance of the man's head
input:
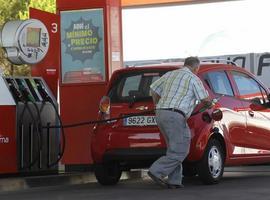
(193, 63)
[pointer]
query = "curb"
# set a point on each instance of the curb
(20, 183)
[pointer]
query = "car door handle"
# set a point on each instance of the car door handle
(251, 113)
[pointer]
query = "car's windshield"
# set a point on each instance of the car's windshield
(134, 86)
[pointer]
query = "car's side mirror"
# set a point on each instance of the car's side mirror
(256, 101)
(256, 105)
(104, 104)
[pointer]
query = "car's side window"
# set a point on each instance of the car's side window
(219, 83)
(249, 88)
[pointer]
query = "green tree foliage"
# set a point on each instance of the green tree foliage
(10, 10)
(45, 5)
(16, 10)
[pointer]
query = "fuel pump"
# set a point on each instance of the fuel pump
(27, 104)
(47, 98)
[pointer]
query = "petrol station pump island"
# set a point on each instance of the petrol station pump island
(27, 104)
(32, 137)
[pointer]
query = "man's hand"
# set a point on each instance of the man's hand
(207, 103)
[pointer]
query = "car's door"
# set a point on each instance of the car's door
(233, 124)
(257, 135)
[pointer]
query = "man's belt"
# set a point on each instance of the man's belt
(174, 110)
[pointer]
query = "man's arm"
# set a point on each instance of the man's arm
(201, 93)
(156, 88)
(155, 97)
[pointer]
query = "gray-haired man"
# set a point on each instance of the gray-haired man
(174, 95)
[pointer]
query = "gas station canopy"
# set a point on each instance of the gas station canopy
(131, 3)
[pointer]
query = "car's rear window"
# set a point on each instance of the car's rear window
(132, 86)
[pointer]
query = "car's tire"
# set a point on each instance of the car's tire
(210, 168)
(108, 173)
(189, 170)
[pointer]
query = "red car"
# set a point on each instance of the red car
(241, 137)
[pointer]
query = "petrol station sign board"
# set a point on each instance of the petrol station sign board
(82, 46)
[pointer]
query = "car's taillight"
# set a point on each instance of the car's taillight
(104, 107)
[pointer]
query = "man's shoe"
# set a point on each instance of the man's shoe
(172, 186)
(159, 181)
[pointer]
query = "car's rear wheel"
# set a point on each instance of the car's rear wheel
(108, 173)
(210, 168)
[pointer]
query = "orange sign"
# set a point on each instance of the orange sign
(130, 3)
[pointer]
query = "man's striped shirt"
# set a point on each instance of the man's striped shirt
(179, 89)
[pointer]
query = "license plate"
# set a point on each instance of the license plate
(140, 121)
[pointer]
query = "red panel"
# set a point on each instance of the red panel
(79, 102)
(8, 148)
(115, 38)
(49, 67)
(125, 3)
(131, 3)
(83, 4)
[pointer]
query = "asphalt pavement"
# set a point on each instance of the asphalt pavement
(241, 183)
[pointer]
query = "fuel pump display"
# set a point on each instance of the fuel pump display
(25, 42)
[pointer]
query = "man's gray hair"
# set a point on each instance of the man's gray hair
(193, 62)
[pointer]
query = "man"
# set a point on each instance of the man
(174, 95)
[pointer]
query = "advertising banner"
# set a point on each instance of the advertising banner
(82, 46)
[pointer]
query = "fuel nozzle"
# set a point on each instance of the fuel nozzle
(42, 91)
(208, 105)
(16, 93)
(25, 93)
(211, 103)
